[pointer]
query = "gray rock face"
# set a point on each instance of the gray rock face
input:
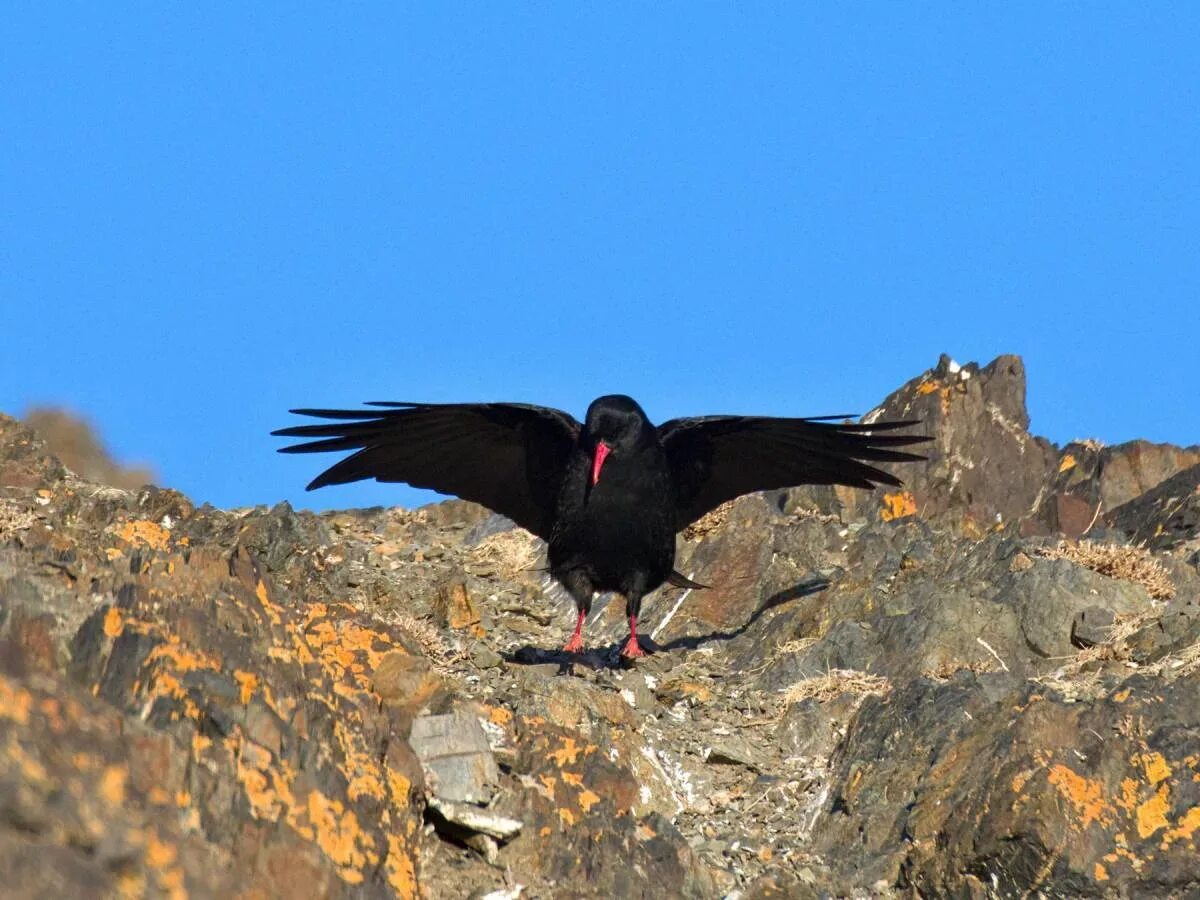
(1166, 517)
(1003, 788)
(903, 693)
(458, 760)
(984, 468)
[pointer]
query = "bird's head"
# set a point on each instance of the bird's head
(614, 424)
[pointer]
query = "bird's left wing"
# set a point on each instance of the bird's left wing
(717, 458)
(510, 457)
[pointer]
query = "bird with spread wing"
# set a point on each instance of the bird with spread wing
(607, 495)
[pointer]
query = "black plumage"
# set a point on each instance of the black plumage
(609, 495)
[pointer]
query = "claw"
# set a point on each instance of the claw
(575, 644)
(632, 649)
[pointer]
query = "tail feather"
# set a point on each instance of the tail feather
(684, 582)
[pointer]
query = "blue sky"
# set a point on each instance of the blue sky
(211, 215)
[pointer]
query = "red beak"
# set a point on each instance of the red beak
(602, 451)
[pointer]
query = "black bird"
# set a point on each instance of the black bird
(609, 495)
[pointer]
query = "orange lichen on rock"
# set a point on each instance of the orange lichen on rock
(341, 649)
(166, 663)
(162, 858)
(1189, 824)
(273, 612)
(1152, 814)
(364, 775)
(400, 786)
(339, 836)
(498, 715)
(114, 626)
(247, 683)
(1020, 780)
(588, 799)
(898, 505)
(15, 702)
(1085, 795)
(1129, 795)
(567, 753)
(144, 533)
(1156, 767)
(112, 784)
(183, 658)
(31, 769)
(267, 784)
(401, 873)
(931, 386)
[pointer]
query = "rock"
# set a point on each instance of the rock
(1092, 626)
(809, 728)
(733, 750)
(984, 467)
(484, 657)
(1050, 597)
(1091, 481)
(1177, 629)
(457, 757)
(1017, 793)
(474, 819)
(407, 681)
(454, 608)
(1166, 516)
(1130, 470)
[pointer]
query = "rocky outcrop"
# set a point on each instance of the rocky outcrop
(1166, 517)
(985, 470)
(930, 691)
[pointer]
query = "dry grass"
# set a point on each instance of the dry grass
(440, 652)
(809, 513)
(796, 646)
(1113, 649)
(1185, 662)
(1181, 662)
(834, 683)
(14, 518)
(1134, 564)
(512, 552)
(709, 522)
(945, 670)
(716, 519)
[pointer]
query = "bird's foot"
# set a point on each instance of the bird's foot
(632, 649)
(574, 645)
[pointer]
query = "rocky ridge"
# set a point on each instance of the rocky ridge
(933, 691)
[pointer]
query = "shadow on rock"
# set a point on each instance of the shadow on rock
(609, 656)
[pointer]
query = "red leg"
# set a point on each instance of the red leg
(633, 649)
(575, 644)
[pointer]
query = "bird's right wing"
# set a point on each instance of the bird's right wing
(510, 457)
(717, 458)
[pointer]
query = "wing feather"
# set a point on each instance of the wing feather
(717, 458)
(509, 457)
